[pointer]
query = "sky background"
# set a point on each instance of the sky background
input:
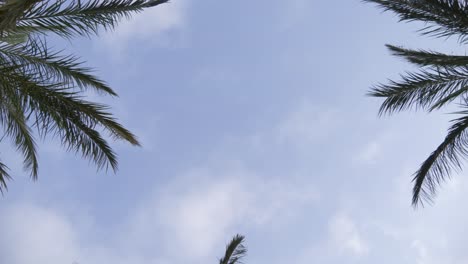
(253, 120)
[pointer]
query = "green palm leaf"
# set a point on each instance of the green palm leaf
(12, 10)
(14, 122)
(235, 251)
(437, 167)
(41, 90)
(444, 18)
(429, 58)
(16, 127)
(59, 112)
(70, 18)
(428, 89)
(4, 176)
(442, 79)
(35, 56)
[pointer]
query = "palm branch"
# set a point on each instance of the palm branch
(41, 90)
(443, 18)
(440, 80)
(235, 251)
(69, 18)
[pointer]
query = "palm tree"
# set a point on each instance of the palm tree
(41, 90)
(235, 251)
(441, 79)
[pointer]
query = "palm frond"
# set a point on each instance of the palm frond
(4, 176)
(152, 3)
(14, 121)
(36, 58)
(438, 166)
(16, 126)
(14, 37)
(442, 79)
(235, 251)
(70, 18)
(62, 113)
(428, 89)
(42, 89)
(444, 18)
(429, 58)
(12, 11)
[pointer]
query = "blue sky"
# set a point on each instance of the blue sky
(254, 120)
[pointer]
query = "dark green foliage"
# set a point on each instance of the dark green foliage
(41, 89)
(441, 79)
(69, 18)
(235, 251)
(444, 18)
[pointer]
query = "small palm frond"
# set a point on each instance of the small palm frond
(12, 11)
(41, 89)
(437, 167)
(15, 37)
(441, 80)
(428, 89)
(428, 58)
(4, 176)
(235, 251)
(152, 3)
(54, 110)
(38, 59)
(70, 18)
(445, 18)
(14, 122)
(74, 120)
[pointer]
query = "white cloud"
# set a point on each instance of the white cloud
(421, 250)
(191, 216)
(152, 26)
(346, 237)
(202, 209)
(36, 235)
(188, 219)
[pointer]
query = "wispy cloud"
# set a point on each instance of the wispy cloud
(197, 211)
(189, 218)
(153, 26)
(32, 234)
(346, 236)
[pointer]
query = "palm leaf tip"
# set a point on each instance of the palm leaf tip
(14, 121)
(428, 89)
(4, 177)
(235, 251)
(82, 18)
(152, 3)
(426, 58)
(443, 18)
(438, 166)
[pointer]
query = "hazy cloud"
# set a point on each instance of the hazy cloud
(346, 236)
(152, 26)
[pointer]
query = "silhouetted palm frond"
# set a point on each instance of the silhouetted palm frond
(429, 58)
(444, 18)
(235, 251)
(437, 167)
(428, 89)
(441, 80)
(41, 89)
